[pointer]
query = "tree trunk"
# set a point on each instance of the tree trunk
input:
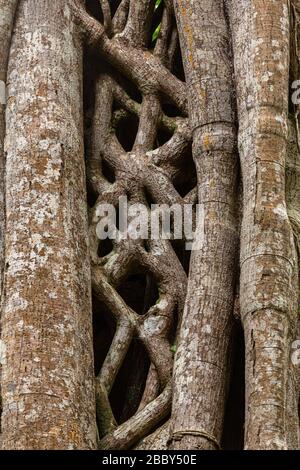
(268, 257)
(7, 13)
(180, 103)
(47, 381)
(201, 363)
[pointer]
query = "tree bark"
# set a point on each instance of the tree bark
(47, 381)
(7, 13)
(261, 31)
(201, 362)
(176, 93)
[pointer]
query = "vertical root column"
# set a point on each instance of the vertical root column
(266, 334)
(48, 378)
(268, 263)
(266, 296)
(201, 363)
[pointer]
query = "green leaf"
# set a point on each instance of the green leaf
(157, 3)
(156, 33)
(173, 348)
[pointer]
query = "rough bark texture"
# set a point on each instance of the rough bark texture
(261, 31)
(7, 13)
(179, 95)
(292, 173)
(201, 362)
(146, 167)
(47, 380)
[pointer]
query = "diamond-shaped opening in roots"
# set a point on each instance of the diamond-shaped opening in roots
(171, 110)
(139, 290)
(108, 172)
(129, 385)
(126, 130)
(184, 255)
(233, 431)
(105, 247)
(104, 328)
(93, 8)
(155, 25)
(185, 178)
(177, 65)
(163, 136)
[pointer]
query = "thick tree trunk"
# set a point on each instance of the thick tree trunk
(292, 172)
(261, 31)
(150, 138)
(47, 381)
(201, 363)
(7, 13)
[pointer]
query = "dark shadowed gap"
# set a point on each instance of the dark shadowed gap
(139, 291)
(233, 431)
(105, 247)
(130, 382)
(91, 196)
(88, 108)
(146, 246)
(155, 26)
(173, 332)
(108, 171)
(182, 254)
(104, 328)
(129, 87)
(185, 178)
(170, 109)
(162, 136)
(113, 5)
(177, 65)
(93, 7)
(126, 131)
(148, 197)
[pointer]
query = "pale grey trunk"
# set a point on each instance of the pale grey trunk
(7, 13)
(261, 32)
(292, 172)
(47, 381)
(201, 363)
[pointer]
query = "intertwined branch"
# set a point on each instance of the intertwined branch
(147, 169)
